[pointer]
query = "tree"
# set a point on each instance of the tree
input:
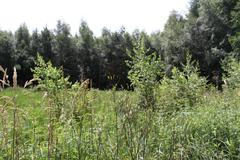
(88, 59)
(35, 43)
(47, 45)
(6, 49)
(24, 59)
(155, 40)
(113, 51)
(235, 23)
(207, 32)
(65, 50)
(172, 39)
(145, 69)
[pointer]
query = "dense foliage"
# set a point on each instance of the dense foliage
(209, 32)
(190, 119)
(174, 110)
(177, 117)
(144, 73)
(49, 78)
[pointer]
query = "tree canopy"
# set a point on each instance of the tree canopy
(209, 32)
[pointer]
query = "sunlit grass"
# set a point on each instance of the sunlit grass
(110, 126)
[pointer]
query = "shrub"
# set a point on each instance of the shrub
(231, 77)
(49, 77)
(183, 89)
(143, 74)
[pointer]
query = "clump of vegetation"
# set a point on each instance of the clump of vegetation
(49, 77)
(109, 124)
(232, 73)
(144, 73)
(71, 121)
(182, 90)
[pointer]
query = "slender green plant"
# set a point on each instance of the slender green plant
(145, 70)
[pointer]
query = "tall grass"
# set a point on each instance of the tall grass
(110, 125)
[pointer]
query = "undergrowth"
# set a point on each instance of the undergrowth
(188, 119)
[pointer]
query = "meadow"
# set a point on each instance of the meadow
(109, 125)
(178, 117)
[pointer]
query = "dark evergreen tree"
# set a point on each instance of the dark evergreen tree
(88, 60)
(23, 57)
(207, 35)
(65, 50)
(113, 51)
(6, 49)
(172, 40)
(35, 44)
(47, 45)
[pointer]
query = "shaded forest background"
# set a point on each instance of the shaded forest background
(209, 33)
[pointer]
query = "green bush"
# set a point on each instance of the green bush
(49, 77)
(183, 89)
(144, 73)
(231, 77)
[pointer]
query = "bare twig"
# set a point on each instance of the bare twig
(28, 83)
